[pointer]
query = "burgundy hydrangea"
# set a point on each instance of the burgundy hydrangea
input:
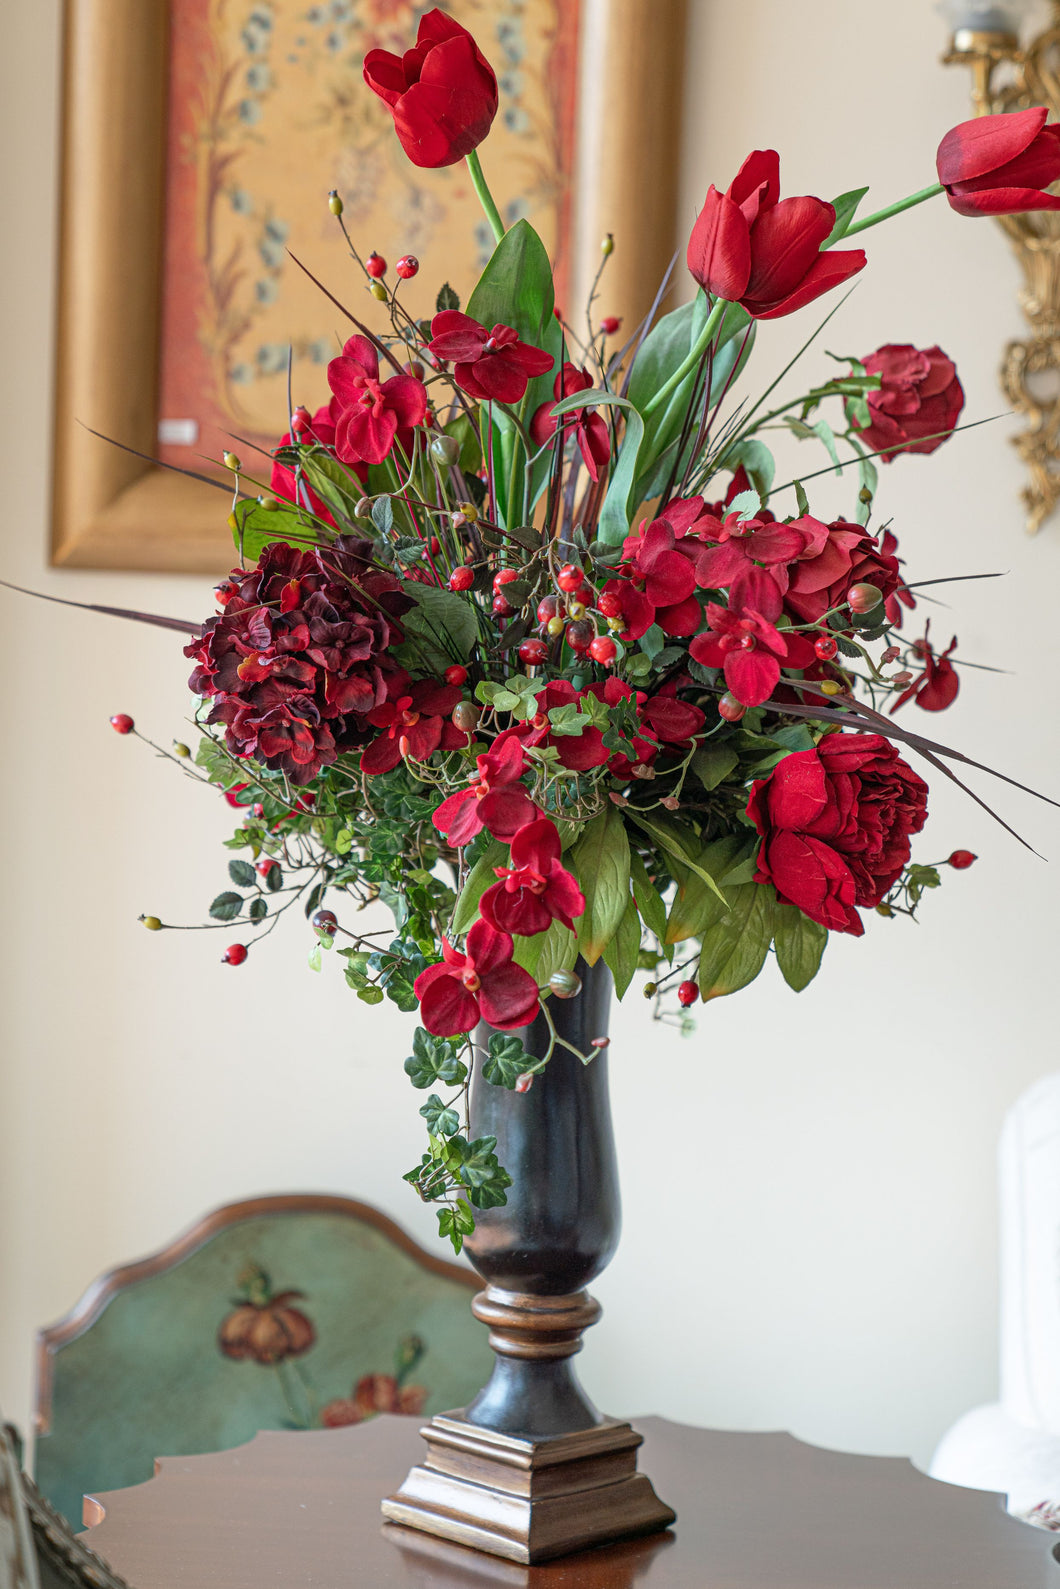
(298, 658)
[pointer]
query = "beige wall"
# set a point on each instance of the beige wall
(810, 1227)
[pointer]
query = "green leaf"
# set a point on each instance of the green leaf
(259, 908)
(383, 515)
(649, 900)
(735, 947)
(696, 906)
(558, 952)
(465, 433)
(515, 289)
(274, 879)
(241, 873)
(441, 1120)
(620, 955)
(600, 860)
(371, 994)
(800, 943)
(441, 627)
(825, 433)
(432, 1058)
(226, 907)
(480, 877)
(333, 482)
(506, 1060)
(758, 463)
(845, 207)
(676, 840)
(255, 527)
(446, 299)
(315, 958)
(713, 764)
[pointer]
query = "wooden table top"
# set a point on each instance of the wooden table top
(755, 1511)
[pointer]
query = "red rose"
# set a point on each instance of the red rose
(835, 825)
(918, 403)
(442, 93)
(370, 411)
(487, 364)
(998, 165)
(763, 252)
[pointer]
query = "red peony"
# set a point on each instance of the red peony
(483, 984)
(299, 656)
(590, 428)
(442, 93)
(846, 555)
(998, 165)
(918, 404)
(763, 252)
(488, 365)
(369, 412)
(496, 800)
(835, 825)
(536, 889)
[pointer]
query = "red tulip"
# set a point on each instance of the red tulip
(998, 165)
(442, 93)
(763, 252)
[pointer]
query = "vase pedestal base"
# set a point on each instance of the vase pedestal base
(528, 1499)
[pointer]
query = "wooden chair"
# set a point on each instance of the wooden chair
(299, 1311)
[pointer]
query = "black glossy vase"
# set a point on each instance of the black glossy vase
(530, 1470)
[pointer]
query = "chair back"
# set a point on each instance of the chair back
(298, 1311)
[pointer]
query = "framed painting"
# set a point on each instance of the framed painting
(200, 141)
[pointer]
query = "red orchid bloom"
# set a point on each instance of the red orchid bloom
(620, 598)
(415, 724)
(482, 985)
(370, 411)
(536, 889)
(496, 800)
(744, 641)
(763, 252)
(664, 567)
(740, 544)
(937, 686)
(998, 165)
(283, 483)
(590, 428)
(488, 365)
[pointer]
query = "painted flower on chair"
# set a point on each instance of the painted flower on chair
(264, 1326)
(376, 1393)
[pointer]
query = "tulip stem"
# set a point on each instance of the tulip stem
(485, 197)
(891, 209)
(690, 361)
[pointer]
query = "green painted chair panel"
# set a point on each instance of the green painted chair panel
(279, 1313)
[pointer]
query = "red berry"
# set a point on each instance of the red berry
(603, 650)
(569, 577)
(547, 608)
(224, 592)
(863, 597)
(580, 635)
(533, 652)
(258, 809)
(435, 545)
(504, 576)
(407, 266)
(610, 324)
(730, 708)
(122, 723)
(825, 647)
(456, 674)
(265, 865)
(375, 264)
(325, 921)
(960, 860)
(462, 578)
(301, 419)
(234, 955)
(610, 604)
(502, 607)
(687, 993)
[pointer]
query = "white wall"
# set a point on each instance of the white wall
(810, 1226)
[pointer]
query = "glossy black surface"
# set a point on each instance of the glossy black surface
(561, 1223)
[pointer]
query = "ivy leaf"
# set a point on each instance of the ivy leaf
(456, 1223)
(226, 907)
(600, 860)
(432, 1059)
(441, 1121)
(620, 955)
(506, 1060)
(568, 721)
(735, 947)
(800, 943)
(241, 873)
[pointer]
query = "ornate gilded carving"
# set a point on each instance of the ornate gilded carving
(1006, 77)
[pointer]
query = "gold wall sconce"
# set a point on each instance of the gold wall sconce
(1012, 74)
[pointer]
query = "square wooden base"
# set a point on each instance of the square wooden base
(528, 1500)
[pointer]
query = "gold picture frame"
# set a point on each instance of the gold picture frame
(115, 508)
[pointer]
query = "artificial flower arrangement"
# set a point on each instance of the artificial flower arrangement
(526, 641)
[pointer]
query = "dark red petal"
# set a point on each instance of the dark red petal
(751, 675)
(382, 755)
(406, 397)
(385, 75)
(719, 248)
(447, 1008)
(487, 948)
(459, 817)
(508, 997)
(499, 378)
(519, 911)
(1000, 201)
(975, 147)
(506, 810)
(537, 845)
